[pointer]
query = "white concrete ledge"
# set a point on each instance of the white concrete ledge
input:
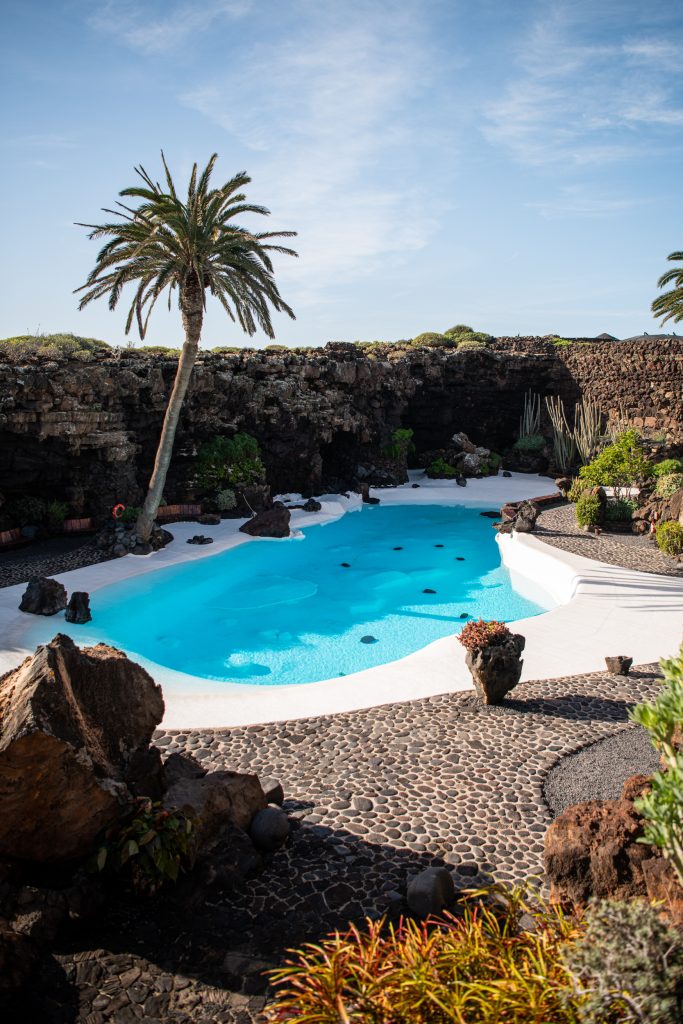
(602, 610)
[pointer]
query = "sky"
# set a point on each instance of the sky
(512, 165)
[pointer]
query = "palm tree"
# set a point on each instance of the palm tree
(670, 305)
(164, 243)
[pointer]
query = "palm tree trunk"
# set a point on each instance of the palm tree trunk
(192, 311)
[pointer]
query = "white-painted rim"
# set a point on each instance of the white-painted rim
(601, 610)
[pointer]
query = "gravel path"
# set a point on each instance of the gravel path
(557, 526)
(599, 771)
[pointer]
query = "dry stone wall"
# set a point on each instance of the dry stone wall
(86, 432)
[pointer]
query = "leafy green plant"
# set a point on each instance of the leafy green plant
(662, 806)
(26, 510)
(55, 514)
(159, 350)
(620, 510)
(668, 484)
(149, 843)
(667, 466)
(494, 461)
(529, 444)
(479, 633)
(129, 514)
(401, 444)
(562, 342)
(439, 469)
(235, 461)
(577, 489)
(588, 510)
(478, 969)
(464, 335)
(627, 966)
(669, 537)
(620, 465)
(226, 500)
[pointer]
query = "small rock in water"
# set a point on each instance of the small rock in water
(428, 590)
(459, 558)
(465, 615)
(345, 565)
(398, 549)
(78, 608)
(368, 639)
(438, 545)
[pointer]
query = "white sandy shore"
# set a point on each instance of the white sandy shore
(601, 610)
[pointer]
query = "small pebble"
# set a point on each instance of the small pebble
(398, 549)
(428, 590)
(368, 639)
(459, 558)
(345, 565)
(438, 545)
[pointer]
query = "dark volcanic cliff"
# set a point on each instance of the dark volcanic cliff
(87, 431)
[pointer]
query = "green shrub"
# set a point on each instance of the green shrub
(476, 969)
(627, 966)
(434, 340)
(530, 443)
(667, 466)
(463, 335)
(159, 350)
(669, 537)
(235, 461)
(26, 511)
(577, 489)
(440, 468)
(668, 484)
(50, 346)
(620, 465)
(620, 510)
(55, 514)
(401, 444)
(562, 342)
(149, 844)
(494, 462)
(662, 806)
(588, 510)
(130, 514)
(226, 500)
(468, 344)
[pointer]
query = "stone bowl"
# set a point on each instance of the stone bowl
(619, 665)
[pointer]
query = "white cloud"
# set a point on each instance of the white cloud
(573, 201)
(584, 103)
(132, 23)
(334, 144)
(42, 140)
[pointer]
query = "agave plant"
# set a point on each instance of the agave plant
(167, 242)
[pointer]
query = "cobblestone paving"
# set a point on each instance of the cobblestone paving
(374, 796)
(557, 526)
(47, 558)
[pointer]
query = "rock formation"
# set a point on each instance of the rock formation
(318, 414)
(43, 596)
(274, 522)
(78, 608)
(71, 722)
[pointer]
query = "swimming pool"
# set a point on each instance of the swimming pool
(361, 591)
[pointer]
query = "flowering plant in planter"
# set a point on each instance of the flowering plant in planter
(493, 657)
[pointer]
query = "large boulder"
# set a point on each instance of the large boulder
(78, 608)
(72, 723)
(274, 522)
(430, 892)
(43, 596)
(216, 799)
(592, 850)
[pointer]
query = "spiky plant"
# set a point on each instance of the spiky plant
(166, 243)
(669, 306)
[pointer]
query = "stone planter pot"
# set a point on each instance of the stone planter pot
(496, 669)
(619, 665)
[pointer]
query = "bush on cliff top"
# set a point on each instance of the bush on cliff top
(50, 346)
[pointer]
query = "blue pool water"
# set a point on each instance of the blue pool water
(289, 611)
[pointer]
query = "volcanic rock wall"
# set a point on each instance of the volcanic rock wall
(87, 431)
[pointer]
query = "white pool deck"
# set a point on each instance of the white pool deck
(600, 610)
